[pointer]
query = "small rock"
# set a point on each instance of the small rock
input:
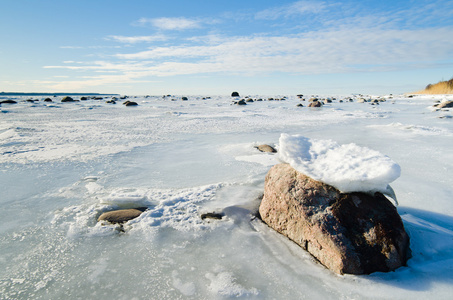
(184, 99)
(130, 103)
(214, 216)
(445, 104)
(121, 216)
(48, 100)
(235, 94)
(266, 148)
(300, 105)
(315, 103)
(8, 102)
(67, 99)
(241, 102)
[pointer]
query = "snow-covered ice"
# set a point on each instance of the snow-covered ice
(63, 164)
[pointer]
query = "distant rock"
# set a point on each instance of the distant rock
(68, 99)
(445, 104)
(130, 103)
(184, 98)
(315, 103)
(121, 216)
(83, 98)
(353, 233)
(235, 94)
(111, 101)
(266, 148)
(240, 102)
(300, 105)
(48, 100)
(8, 102)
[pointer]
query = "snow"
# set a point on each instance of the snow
(63, 164)
(348, 167)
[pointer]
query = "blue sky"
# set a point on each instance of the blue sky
(215, 47)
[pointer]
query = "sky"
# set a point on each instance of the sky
(201, 47)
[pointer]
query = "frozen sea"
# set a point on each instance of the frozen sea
(63, 164)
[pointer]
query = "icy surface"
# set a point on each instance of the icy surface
(63, 164)
(348, 167)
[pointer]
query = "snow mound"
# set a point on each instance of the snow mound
(349, 167)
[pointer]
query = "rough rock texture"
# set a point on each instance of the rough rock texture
(352, 233)
(120, 216)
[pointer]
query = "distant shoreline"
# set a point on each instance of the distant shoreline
(52, 94)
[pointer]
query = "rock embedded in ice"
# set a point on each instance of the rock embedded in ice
(68, 99)
(8, 102)
(234, 94)
(444, 104)
(214, 216)
(122, 215)
(266, 148)
(130, 103)
(353, 233)
(315, 103)
(349, 168)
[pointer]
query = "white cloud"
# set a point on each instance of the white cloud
(170, 23)
(329, 51)
(137, 39)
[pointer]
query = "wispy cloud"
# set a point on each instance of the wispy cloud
(137, 39)
(180, 23)
(296, 8)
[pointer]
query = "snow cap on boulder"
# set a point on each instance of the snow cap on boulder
(348, 167)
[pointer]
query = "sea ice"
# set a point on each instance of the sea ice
(349, 167)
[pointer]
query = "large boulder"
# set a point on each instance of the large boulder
(352, 233)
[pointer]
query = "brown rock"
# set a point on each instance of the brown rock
(120, 216)
(315, 103)
(266, 148)
(353, 233)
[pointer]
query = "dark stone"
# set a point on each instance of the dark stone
(83, 98)
(235, 94)
(214, 216)
(111, 101)
(300, 105)
(48, 100)
(184, 99)
(8, 102)
(67, 99)
(241, 102)
(130, 103)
